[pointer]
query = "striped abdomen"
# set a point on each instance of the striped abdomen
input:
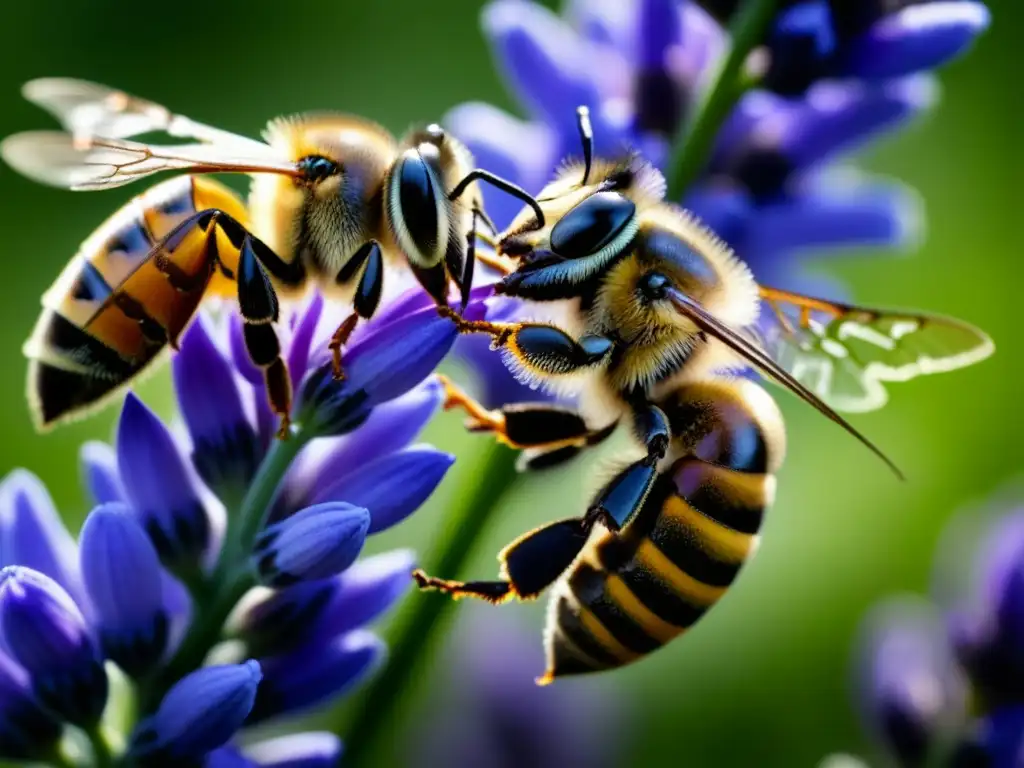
(116, 305)
(630, 593)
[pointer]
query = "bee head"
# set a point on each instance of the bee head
(589, 223)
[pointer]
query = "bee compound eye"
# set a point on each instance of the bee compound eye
(592, 225)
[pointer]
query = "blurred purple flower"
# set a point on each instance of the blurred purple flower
(497, 716)
(815, 39)
(952, 693)
(67, 609)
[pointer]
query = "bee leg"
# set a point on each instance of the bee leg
(258, 303)
(529, 565)
(540, 349)
(550, 434)
(464, 278)
(365, 301)
(620, 500)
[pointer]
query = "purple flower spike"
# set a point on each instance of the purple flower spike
(316, 543)
(122, 575)
(46, 634)
(385, 363)
(366, 590)
(225, 447)
(200, 713)
(99, 473)
(27, 732)
(918, 37)
(392, 487)
(803, 41)
(300, 750)
(32, 533)
(159, 487)
(315, 673)
(914, 692)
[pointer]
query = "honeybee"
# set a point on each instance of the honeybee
(334, 199)
(659, 311)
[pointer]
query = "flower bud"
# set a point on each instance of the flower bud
(159, 487)
(27, 732)
(123, 578)
(316, 543)
(315, 673)
(393, 487)
(99, 473)
(45, 633)
(225, 447)
(200, 713)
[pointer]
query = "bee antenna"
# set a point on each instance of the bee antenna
(586, 138)
(499, 183)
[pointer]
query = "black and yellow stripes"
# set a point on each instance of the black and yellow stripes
(133, 287)
(632, 591)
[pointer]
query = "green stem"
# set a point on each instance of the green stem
(426, 614)
(230, 578)
(102, 757)
(692, 146)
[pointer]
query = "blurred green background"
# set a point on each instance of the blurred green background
(765, 678)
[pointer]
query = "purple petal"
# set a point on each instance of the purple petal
(122, 575)
(239, 354)
(316, 543)
(99, 473)
(32, 533)
(839, 117)
(367, 590)
(227, 757)
(801, 44)
(225, 449)
(919, 37)
(886, 216)
(160, 489)
(546, 64)
(200, 713)
(912, 690)
(392, 487)
(389, 428)
(302, 339)
(308, 676)
(45, 632)
(27, 732)
(271, 621)
(299, 750)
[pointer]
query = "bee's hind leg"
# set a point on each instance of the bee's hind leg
(365, 301)
(529, 565)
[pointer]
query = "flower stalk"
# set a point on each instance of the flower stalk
(412, 638)
(695, 140)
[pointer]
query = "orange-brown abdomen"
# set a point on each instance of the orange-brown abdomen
(121, 299)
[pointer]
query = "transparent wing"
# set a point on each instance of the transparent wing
(845, 354)
(70, 162)
(88, 110)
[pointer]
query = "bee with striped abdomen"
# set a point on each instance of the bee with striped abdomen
(334, 199)
(658, 315)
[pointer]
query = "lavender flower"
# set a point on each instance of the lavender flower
(186, 525)
(496, 716)
(949, 692)
(873, 40)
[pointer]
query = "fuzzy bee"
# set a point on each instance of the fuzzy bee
(657, 313)
(334, 199)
